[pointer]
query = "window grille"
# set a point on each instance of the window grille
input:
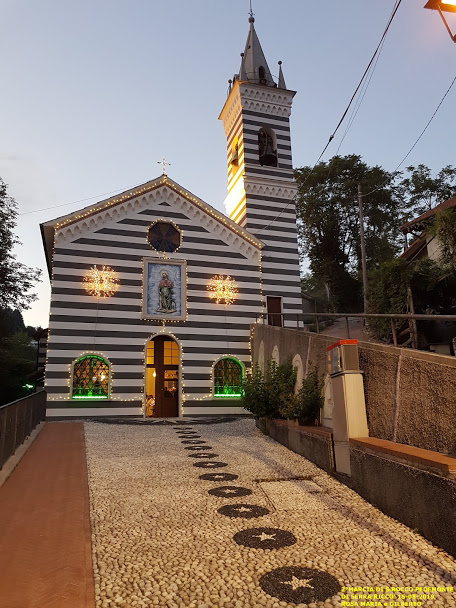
(91, 378)
(228, 378)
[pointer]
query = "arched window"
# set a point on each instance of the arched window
(267, 149)
(90, 378)
(235, 152)
(228, 378)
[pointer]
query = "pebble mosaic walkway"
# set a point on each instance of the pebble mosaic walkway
(265, 528)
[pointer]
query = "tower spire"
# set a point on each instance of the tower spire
(254, 67)
(281, 84)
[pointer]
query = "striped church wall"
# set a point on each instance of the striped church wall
(114, 327)
(267, 209)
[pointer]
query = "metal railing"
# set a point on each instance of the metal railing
(278, 319)
(17, 421)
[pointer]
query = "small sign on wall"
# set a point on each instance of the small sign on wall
(164, 289)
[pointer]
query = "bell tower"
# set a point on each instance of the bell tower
(261, 187)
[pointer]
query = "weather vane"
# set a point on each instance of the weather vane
(251, 11)
(163, 163)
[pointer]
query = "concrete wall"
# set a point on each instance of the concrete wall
(410, 395)
(419, 499)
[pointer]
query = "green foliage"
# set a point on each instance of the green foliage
(444, 229)
(309, 398)
(17, 359)
(327, 209)
(433, 287)
(419, 191)
(16, 279)
(272, 395)
(265, 395)
(328, 221)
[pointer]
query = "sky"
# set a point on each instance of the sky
(96, 92)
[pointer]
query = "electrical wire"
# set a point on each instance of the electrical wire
(82, 200)
(347, 109)
(417, 140)
(377, 50)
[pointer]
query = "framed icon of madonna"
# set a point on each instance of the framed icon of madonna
(164, 289)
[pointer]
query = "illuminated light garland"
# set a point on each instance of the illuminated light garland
(223, 290)
(164, 181)
(101, 283)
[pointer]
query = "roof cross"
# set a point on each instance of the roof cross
(163, 162)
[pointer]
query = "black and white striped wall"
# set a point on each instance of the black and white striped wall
(114, 233)
(261, 198)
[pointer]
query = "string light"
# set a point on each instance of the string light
(222, 289)
(101, 283)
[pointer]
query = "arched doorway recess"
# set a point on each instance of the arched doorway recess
(162, 378)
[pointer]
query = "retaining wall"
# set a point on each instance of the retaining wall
(410, 395)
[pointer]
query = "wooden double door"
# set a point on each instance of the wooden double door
(162, 378)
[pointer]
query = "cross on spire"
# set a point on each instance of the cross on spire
(163, 162)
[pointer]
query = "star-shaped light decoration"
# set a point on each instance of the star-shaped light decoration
(298, 583)
(223, 290)
(101, 283)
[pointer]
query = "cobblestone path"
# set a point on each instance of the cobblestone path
(209, 516)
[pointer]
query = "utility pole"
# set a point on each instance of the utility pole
(363, 246)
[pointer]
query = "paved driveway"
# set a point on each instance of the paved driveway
(203, 516)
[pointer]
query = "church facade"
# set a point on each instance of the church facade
(153, 291)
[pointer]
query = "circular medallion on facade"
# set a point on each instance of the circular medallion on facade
(299, 585)
(230, 491)
(264, 538)
(218, 476)
(242, 510)
(193, 442)
(203, 455)
(198, 447)
(210, 464)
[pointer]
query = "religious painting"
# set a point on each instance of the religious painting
(164, 289)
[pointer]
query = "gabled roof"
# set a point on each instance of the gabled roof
(415, 248)
(48, 228)
(420, 222)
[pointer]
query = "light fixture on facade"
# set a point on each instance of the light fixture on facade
(223, 290)
(101, 283)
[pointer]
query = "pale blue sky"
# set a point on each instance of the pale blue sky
(95, 92)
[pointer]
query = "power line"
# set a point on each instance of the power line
(82, 200)
(366, 72)
(418, 138)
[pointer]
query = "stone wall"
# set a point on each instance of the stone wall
(410, 395)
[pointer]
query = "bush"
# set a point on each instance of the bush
(272, 395)
(309, 398)
(265, 396)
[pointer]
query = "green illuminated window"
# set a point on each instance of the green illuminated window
(90, 378)
(228, 378)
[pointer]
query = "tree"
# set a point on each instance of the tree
(17, 359)
(16, 279)
(444, 228)
(420, 192)
(328, 223)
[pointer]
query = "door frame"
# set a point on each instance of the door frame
(180, 395)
